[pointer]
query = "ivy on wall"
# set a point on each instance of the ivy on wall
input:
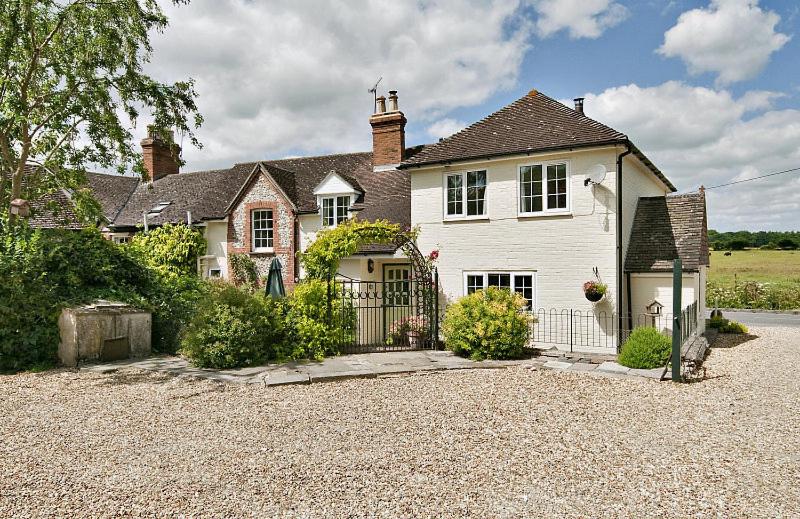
(321, 259)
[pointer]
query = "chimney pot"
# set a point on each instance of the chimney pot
(393, 101)
(579, 105)
(388, 133)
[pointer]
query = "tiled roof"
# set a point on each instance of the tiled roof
(534, 123)
(54, 210)
(667, 228)
(111, 191)
(205, 194)
(386, 194)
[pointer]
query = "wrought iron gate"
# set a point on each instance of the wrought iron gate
(389, 315)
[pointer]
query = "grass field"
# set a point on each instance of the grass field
(776, 275)
(755, 265)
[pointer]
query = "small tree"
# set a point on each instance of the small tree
(170, 248)
(787, 244)
(68, 69)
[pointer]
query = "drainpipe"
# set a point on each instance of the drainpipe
(620, 315)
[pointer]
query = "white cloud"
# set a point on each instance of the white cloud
(445, 128)
(732, 38)
(581, 18)
(292, 76)
(703, 136)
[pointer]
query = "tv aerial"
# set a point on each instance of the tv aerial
(595, 175)
(374, 92)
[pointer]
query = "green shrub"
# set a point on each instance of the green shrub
(46, 270)
(317, 333)
(751, 294)
(727, 326)
(646, 348)
(170, 248)
(487, 324)
(234, 328)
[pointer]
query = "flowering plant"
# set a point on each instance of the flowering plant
(400, 329)
(594, 290)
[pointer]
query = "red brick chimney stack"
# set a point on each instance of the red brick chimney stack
(160, 154)
(388, 133)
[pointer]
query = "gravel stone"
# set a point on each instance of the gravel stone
(462, 443)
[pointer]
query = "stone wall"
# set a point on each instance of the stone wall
(262, 193)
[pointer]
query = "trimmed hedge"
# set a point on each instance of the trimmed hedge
(646, 348)
(487, 324)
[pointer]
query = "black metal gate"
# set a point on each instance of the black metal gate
(398, 313)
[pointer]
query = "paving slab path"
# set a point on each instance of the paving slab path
(369, 365)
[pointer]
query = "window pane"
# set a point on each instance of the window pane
(523, 284)
(476, 193)
(557, 186)
(454, 195)
(327, 212)
(530, 189)
(342, 206)
(262, 229)
(474, 282)
(499, 280)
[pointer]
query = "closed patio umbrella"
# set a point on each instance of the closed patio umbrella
(275, 280)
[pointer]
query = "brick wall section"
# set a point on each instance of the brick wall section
(159, 157)
(262, 193)
(388, 138)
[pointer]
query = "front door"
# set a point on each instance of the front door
(396, 300)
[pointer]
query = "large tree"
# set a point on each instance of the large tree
(71, 86)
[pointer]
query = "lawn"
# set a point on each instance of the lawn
(755, 265)
(474, 443)
(765, 279)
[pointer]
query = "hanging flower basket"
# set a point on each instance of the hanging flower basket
(595, 291)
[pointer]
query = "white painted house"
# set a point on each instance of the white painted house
(529, 199)
(536, 198)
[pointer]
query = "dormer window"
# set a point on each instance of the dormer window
(335, 209)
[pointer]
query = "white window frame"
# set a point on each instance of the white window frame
(253, 247)
(545, 211)
(512, 273)
(463, 214)
(335, 197)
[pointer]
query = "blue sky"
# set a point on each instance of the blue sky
(710, 90)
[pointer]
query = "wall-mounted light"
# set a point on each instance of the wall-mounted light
(370, 265)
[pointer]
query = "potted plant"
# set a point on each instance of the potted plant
(595, 291)
(411, 330)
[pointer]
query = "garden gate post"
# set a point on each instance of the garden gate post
(435, 344)
(677, 289)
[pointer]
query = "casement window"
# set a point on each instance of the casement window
(521, 282)
(465, 194)
(543, 188)
(335, 210)
(262, 229)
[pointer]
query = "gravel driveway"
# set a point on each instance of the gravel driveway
(488, 443)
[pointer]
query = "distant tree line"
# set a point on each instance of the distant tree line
(740, 240)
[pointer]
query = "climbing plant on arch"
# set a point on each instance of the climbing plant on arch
(321, 259)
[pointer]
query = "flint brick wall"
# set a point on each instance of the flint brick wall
(263, 194)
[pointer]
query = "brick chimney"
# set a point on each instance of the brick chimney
(388, 133)
(160, 154)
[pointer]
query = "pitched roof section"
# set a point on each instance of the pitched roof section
(533, 123)
(386, 195)
(667, 228)
(54, 210)
(111, 192)
(206, 194)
